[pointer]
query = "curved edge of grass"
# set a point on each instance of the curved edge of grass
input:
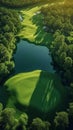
(38, 90)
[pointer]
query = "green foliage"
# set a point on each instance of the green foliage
(62, 53)
(59, 21)
(23, 119)
(61, 120)
(68, 62)
(3, 69)
(9, 26)
(18, 3)
(38, 124)
(22, 122)
(1, 107)
(70, 110)
(58, 17)
(7, 119)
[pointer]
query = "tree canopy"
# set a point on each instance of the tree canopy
(9, 26)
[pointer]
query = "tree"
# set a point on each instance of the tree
(70, 38)
(70, 111)
(22, 122)
(4, 54)
(70, 51)
(3, 69)
(10, 65)
(1, 108)
(23, 119)
(7, 120)
(68, 63)
(9, 26)
(61, 121)
(38, 124)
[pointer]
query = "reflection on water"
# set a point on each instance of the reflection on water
(30, 57)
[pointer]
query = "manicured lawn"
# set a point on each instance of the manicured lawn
(36, 89)
(33, 26)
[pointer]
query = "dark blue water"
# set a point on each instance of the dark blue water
(30, 57)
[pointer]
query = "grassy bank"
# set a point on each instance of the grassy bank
(36, 89)
(33, 26)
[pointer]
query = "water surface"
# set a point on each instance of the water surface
(30, 57)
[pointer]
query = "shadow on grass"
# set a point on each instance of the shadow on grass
(48, 97)
(41, 36)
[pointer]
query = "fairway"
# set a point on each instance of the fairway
(32, 26)
(37, 89)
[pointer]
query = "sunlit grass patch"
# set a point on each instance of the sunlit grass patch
(38, 90)
(33, 26)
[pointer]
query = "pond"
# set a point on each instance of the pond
(47, 95)
(29, 57)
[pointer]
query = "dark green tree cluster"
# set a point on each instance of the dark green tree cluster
(62, 121)
(38, 124)
(19, 3)
(59, 16)
(62, 52)
(58, 20)
(9, 26)
(8, 121)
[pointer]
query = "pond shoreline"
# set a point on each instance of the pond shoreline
(35, 53)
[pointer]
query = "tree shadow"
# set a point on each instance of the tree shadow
(44, 98)
(48, 97)
(38, 4)
(41, 36)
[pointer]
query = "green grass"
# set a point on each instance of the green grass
(33, 26)
(36, 89)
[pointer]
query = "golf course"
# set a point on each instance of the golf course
(36, 90)
(36, 64)
(32, 26)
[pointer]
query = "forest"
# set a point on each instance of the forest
(57, 21)
(62, 120)
(9, 26)
(62, 45)
(18, 3)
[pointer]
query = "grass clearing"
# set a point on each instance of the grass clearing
(33, 26)
(36, 89)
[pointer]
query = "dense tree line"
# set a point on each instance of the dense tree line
(9, 26)
(62, 121)
(58, 20)
(20, 3)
